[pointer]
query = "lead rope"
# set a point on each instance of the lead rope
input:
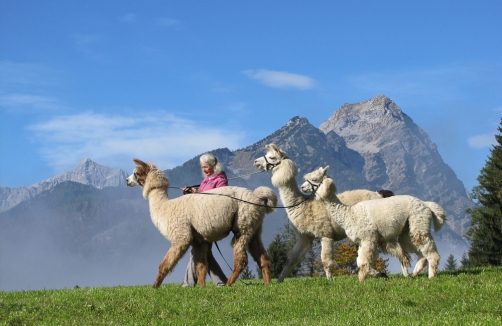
(221, 254)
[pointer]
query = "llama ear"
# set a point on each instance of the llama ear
(139, 162)
(273, 147)
(325, 170)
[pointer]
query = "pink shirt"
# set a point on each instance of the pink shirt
(213, 181)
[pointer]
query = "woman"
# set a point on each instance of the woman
(214, 177)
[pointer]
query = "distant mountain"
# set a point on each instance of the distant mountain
(399, 155)
(87, 222)
(86, 172)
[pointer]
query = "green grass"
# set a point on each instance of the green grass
(471, 297)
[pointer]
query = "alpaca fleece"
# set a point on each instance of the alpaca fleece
(198, 219)
(310, 219)
(368, 223)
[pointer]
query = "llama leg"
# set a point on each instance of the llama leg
(431, 254)
(240, 258)
(427, 247)
(420, 264)
(366, 259)
(327, 257)
(259, 254)
(393, 248)
(296, 254)
(409, 246)
(172, 257)
(200, 261)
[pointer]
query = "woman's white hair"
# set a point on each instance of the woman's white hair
(210, 159)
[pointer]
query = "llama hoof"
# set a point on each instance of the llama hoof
(382, 275)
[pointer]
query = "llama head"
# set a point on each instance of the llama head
(276, 160)
(148, 176)
(319, 183)
(271, 159)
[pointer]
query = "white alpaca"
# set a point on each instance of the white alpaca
(199, 219)
(310, 217)
(370, 222)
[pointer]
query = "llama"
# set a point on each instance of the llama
(199, 219)
(310, 218)
(370, 222)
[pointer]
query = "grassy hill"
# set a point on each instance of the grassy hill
(470, 297)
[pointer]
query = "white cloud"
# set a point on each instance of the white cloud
(89, 45)
(281, 79)
(481, 141)
(24, 74)
(29, 102)
(166, 21)
(129, 18)
(442, 83)
(114, 140)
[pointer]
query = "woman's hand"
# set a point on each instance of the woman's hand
(189, 190)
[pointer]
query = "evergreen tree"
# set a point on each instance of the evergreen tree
(279, 249)
(464, 262)
(485, 232)
(311, 264)
(451, 263)
(278, 252)
(247, 274)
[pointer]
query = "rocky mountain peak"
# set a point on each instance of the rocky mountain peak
(86, 172)
(297, 121)
(379, 113)
(398, 154)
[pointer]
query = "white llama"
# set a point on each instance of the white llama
(370, 222)
(199, 219)
(310, 218)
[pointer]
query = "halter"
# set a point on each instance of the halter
(314, 186)
(136, 178)
(270, 164)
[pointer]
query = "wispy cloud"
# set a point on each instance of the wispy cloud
(114, 140)
(23, 87)
(129, 18)
(16, 75)
(29, 102)
(162, 21)
(442, 83)
(280, 79)
(88, 45)
(481, 141)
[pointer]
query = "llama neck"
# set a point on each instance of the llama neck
(156, 198)
(283, 177)
(290, 193)
(336, 209)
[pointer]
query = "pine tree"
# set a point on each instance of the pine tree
(247, 274)
(279, 249)
(451, 263)
(485, 232)
(464, 262)
(311, 265)
(278, 253)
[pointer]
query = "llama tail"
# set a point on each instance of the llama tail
(269, 196)
(439, 216)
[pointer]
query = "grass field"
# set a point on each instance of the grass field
(470, 297)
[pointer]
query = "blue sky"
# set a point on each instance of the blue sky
(167, 80)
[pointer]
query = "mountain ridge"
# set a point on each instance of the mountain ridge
(406, 162)
(86, 172)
